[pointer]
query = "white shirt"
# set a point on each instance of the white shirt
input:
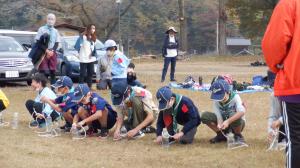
(232, 107)
(172, 52)
(86, 49)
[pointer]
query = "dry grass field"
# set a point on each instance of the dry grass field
(22, 148)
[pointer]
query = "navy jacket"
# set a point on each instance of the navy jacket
(187, 115)
(168, 45)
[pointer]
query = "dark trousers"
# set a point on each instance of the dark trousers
(86, 73)
(291, 116)
(38, 107)
(167, 61)
(51, 74)
(2, 106)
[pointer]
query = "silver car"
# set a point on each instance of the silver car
(14, 62)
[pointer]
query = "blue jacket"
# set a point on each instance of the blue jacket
(187, 115)
(168, 45)
(78, 43)
(119, 65)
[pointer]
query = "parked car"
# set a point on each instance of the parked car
(23, 37)
(14, 62)
(68, 62)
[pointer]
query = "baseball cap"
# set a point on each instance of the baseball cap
(218, 90)
(109, 43)
(163, 95)
(118, 92)
(80, 91)
(63, 81)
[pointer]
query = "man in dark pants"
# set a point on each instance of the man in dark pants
(170, 52)
(281, 50)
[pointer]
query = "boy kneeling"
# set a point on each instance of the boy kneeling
(228, 113)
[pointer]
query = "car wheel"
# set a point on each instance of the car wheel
(64, 70)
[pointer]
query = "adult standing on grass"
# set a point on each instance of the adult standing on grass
(86, 47)
(49, 62)
(170, 53)
(282, 53)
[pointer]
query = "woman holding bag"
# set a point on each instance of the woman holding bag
(86, 47)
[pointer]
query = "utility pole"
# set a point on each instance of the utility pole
(183, 28)
(222, 28)
(119, 31)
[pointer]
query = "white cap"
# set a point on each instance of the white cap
(171, 28)
(110, 43)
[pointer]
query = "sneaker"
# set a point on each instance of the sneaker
(173, 80)
(162, 81)
(239, 138)
(149, 130)
(67, 127)
(138, 135)
(90, 132)
(34, 124)
(103, 134)
(218, 139)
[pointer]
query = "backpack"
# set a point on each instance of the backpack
(188, 82)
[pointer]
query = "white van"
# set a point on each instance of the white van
(23, 37)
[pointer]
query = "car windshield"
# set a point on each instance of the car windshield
(70, 43)
(10, 45)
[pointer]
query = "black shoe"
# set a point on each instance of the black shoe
(218, 139)
(239, 138)
(149, 130)
(103, 133)
(67, 127)
(162, 81)
(173, 80)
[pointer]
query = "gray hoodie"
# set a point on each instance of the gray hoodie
(275, 112)
(103, 71)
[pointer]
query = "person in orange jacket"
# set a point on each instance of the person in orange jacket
(281, 48)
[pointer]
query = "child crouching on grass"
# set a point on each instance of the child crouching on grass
(228, 114)
(63, 104)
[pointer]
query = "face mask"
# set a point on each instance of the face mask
(51, 21)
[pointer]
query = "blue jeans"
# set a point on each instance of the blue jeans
(167, 61)
(135, 83)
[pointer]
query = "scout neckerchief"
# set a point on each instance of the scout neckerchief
(175, 111)
(225, 105)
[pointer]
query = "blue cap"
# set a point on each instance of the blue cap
(163, 95)
(218, 90)
(63, 81)
(118, 92)
(80, 91)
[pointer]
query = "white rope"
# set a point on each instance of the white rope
(275, 139)
(76, 133)
(235, 145)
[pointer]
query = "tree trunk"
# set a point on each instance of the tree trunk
(222, 28)
(183, 28)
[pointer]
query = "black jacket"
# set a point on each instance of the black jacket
(169, 45)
